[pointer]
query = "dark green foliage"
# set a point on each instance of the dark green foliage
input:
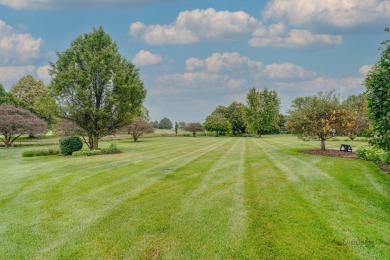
(378, 95)
(375, 154)
(262, 113)
(236, 116)
(97, 88)
(70, 144)
(165, 123)
(44, 152)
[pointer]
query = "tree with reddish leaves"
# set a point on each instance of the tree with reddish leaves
(193, 128)
(15, 122)
(139, 127)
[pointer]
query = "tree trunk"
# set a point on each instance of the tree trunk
(95, 142)
(322, 144)
(259, 134)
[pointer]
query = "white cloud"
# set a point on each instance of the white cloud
(193, 81)
(285, 71)
(196, 25)
(59, 4)
(218, 62)
(340, 14)
(363, 70)
(14, 73)
(43, 72)
(145, 58)
(295, 38)
(17, 48)
(342, 85)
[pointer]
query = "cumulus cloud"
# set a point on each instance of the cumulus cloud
(13, 73)
(145, 58)
(196, 25)
(341, 85)
(43, 72)
(340, 14)
(16, 48)
(218, 62)
(295, 38)
(60, 4)
(192, 81)
(363, 70)
(285, 71)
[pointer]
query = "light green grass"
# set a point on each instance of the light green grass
(194, 198)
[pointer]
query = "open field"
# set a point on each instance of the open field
(189, 198)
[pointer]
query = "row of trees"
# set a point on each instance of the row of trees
(261, 115)
(94, 90)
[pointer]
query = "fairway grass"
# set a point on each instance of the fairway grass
(194, 198)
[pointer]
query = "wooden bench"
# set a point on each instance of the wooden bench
(346, 148)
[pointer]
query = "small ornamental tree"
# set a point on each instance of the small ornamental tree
(317, 117)
(15, 122)
(139, 127)
(217, 123)
(378, 95)
(193, 128)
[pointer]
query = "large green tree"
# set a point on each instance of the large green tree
(378, 94)
(317, 117)
(262, 114)
(34, 95)
(96, 87)
(236, 116)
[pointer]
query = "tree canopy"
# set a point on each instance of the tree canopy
(262, 113)
(34, 96)
(378, 95)
(18, 121)
(317, 117)
(96, 87)
(165, 123)
(217, 123)
(193, 128)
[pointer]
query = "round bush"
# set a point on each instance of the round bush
(70, 144)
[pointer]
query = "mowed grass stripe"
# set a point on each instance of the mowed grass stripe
(281, 222)
(44, 170)
(340, 201)
(141, 222)
(55, 211)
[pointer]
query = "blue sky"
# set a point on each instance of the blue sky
(196, 55)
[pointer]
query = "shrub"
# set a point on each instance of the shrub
(87, 152)
(70, 144)
(112, 149)
(45, 152)
(372, 153)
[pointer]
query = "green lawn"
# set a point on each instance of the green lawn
(191, 198)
